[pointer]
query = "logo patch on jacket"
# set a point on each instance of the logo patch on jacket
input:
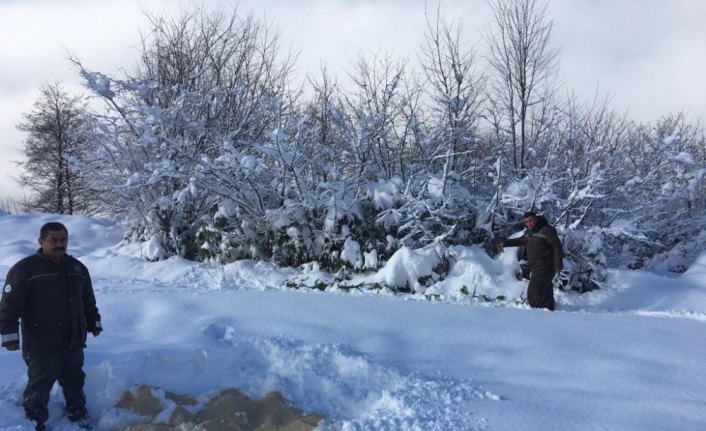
(8, 288)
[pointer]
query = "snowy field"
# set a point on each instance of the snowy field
(628, 357)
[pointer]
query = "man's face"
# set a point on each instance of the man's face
(55, 244)
(529, 222)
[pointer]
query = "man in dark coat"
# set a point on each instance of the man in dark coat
(51, 295)
(544, 257)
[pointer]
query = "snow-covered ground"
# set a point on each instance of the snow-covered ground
(627, 357)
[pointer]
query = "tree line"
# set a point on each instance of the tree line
(211, 149)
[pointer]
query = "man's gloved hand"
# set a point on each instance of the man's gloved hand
(501, 246)
(95, 328)
(12, 346)
(561, 281)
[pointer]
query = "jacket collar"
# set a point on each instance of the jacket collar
(46, 259)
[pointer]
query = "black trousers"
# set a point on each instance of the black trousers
(540, 292)
(45, 368)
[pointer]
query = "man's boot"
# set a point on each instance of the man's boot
(79, 416)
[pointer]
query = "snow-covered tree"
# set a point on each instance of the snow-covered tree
(180, 132)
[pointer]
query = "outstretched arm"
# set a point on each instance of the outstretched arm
(514, 242)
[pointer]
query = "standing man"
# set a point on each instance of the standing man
(544, 257)
(51, 294)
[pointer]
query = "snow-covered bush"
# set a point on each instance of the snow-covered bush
(435, 210)
(209, 153)
(179, 133)
(587, 262)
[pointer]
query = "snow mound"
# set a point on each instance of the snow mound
(473, 272)
(405, 267)
(697, 270)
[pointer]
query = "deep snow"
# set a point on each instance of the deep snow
(626, 357)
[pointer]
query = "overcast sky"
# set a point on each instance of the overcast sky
(650, 55)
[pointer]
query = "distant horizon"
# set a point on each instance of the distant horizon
(645, 56)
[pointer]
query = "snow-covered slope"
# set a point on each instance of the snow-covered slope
(628, 357)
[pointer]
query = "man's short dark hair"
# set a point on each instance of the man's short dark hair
(52, 226)
(529, 214)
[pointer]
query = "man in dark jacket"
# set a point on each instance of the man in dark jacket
(51, 294)
(544, 257)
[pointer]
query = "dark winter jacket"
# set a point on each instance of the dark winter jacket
(542, 246)
(55, 303)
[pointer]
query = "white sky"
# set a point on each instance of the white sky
(649, 54)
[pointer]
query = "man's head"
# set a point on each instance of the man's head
(529, 219)
(54, 239)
